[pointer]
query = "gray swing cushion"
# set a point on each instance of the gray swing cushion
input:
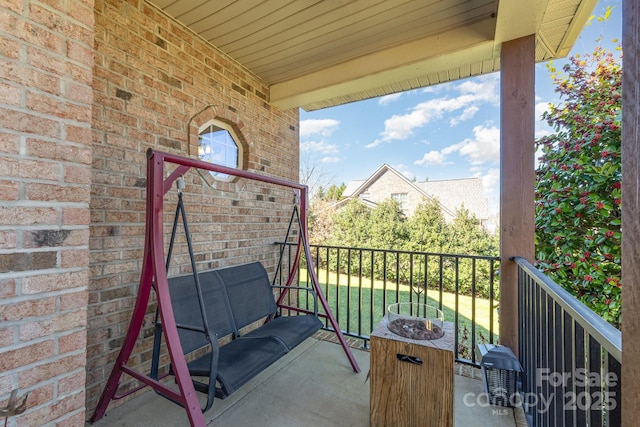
(251, 299)
(236, 297)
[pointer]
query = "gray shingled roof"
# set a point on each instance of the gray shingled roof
(452, 193)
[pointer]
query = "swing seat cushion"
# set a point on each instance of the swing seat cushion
(290, 330)
(251, 299)
(239, 361)
(234, 298)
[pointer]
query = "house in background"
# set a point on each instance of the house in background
(451, 194)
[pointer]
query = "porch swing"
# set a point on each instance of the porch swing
(195, 310)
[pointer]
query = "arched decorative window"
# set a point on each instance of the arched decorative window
(218, 143)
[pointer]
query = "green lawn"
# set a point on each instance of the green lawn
(343, 291)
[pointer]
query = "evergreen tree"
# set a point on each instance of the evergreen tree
(387, 226)
(578, 196)
(427, 228)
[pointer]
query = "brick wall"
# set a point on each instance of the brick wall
(390, 183)
(151, 78)
(46, 54)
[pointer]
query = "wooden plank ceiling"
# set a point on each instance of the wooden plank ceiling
(319, 53)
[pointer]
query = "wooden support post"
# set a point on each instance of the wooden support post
(630, 214)
(517, 221)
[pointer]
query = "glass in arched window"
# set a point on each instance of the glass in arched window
(216, 144)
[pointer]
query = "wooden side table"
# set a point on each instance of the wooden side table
(411, 380)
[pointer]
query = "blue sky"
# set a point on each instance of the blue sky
(446, 131)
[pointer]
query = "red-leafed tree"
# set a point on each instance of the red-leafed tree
(578, 234)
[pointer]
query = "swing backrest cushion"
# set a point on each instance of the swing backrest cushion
(186, 308)
(249, 291)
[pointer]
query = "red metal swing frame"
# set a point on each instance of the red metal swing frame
(153, 267)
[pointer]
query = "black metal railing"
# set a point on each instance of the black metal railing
(571, 356)
(361, 283)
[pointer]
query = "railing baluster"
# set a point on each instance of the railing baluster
(577, 356)
(360, 293)
(491, 297)
(411, 282)
(594, 401)
(348, 328)
(384, 282)
(568, 364)
(371, 297)
(473, 309)
(440, 286)
(337, 313)
(397, 277)
(612, 400)
(456, 320)
(415, 278)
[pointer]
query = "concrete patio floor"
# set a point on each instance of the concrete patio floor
(313, 385)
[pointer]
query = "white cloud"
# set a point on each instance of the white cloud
(318, 146)
(491, 182)
(374, 143)
(541, 126)
(467, 114)
(433, 158)
(323, 127)
(472, 93)
(540, 108)
(483, 88)
(483, 147)
(491, 189)
(330, 160)
(388, 99)
(404, 170)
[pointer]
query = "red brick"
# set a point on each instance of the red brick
(60, 408)
(43, 394)
(53, 282)
(29, 123)
(9, 143)
(56, 106)
(80, 93)
(46, 371)
(47, 327)
(72, 342)
(50, 192)
(54, 150)
(80, 11)
(79, 52)
(72, 383)
(6, 338)
(28, 215)
(74, 258)
(25, 309)
(6, 384)
(15, 5)
(35, 79)
(10, 94)
(7, 288)
(78, 175)
(9, 24)
(75, 419)
(77, 134)
(39, 36)
(26, 355)
(23, 168)
(9, 190)
(43, 60)
(75, 216)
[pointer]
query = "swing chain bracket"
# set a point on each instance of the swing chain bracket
(180, 185)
